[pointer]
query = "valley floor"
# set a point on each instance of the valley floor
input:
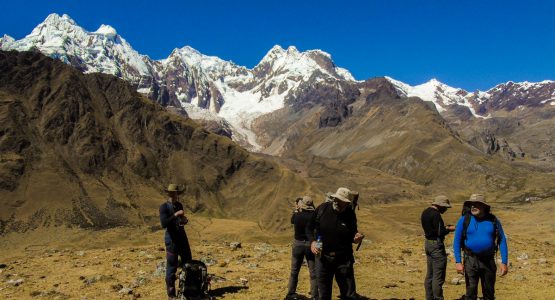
(127, 263)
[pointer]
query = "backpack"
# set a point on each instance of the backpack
(489, 216)
(194, 281)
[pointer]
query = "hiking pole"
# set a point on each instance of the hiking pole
(359, 244)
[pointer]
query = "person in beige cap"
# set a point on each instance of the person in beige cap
(332, 231)
(436, 257)
(173, 219)
(302, 214)
(479, 235)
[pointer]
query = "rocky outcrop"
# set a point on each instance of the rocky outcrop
(88, 150)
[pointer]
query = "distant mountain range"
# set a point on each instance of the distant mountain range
(231, 98)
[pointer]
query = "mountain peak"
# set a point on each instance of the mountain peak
(55, 19)
(107, 30)
(56, 25)
(292, 50)
(5, 40)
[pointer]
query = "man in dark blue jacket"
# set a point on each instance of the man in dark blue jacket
(479, 240)
(173, 219)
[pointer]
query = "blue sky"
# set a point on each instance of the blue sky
(468, 44)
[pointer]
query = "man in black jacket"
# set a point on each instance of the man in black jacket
(436, 257)
(335, 226)
(304, 210)
(173, 219)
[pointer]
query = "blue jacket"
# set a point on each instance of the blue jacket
(480, 238)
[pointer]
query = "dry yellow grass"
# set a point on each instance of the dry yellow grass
(57, 263)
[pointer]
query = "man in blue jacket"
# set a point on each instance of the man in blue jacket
(479, 239)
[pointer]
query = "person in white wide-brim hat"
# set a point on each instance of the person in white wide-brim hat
(332, 232)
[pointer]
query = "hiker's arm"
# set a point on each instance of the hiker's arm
(357, 237)
(503, 248)
(310, 229)
(293, 218)
(165, 216)
(438, 222)
(311, 226)
(457, 241)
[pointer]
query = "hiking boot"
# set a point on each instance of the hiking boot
(292, 297)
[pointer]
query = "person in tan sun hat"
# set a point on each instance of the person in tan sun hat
(173, 219)
(436, 257)
(334, 226)
(302, 214)
(479, 235)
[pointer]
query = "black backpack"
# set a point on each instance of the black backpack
(489, 216)
(194, 282)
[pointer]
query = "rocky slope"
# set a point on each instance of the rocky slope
(88, 150)
(378, 139)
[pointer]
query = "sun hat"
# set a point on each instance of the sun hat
(476, 198)
(441, 200)
(306, 203)
(342, 194)
(173, 187)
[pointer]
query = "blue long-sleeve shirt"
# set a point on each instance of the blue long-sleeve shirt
(480, 238)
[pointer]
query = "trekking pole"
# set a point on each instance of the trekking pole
(359, 244)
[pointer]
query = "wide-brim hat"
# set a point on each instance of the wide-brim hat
(173, 187)
(442, 201)
(306, 203)
(342, 194)
(476, 198)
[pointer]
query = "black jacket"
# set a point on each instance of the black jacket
(337, 230)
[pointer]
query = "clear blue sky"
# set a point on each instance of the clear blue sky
(472, 44)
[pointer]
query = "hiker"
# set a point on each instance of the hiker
(436, 257)
(173, 219)
(304, 210)
(332, 231)
(479, 234)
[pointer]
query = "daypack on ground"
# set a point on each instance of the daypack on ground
(194, 281)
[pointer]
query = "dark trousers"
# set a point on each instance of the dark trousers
(174, 251)
(481, 269)
(340, 266)
(350, 284)
(301, 250)
(436, 261)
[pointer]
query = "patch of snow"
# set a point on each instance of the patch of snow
(143, 90)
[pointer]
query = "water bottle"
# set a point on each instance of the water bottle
(319, 245)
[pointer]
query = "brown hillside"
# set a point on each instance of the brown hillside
(87, 150)
(393, 148)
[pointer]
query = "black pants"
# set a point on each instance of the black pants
(481, 269)
(301, 250)
(340, 266)
(174, 250)
(436, 261)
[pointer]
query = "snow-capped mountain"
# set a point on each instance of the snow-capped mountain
(186, 78)
(507, 96)
(101, 51)
(219, 91)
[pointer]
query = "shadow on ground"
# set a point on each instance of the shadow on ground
(226, 290)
